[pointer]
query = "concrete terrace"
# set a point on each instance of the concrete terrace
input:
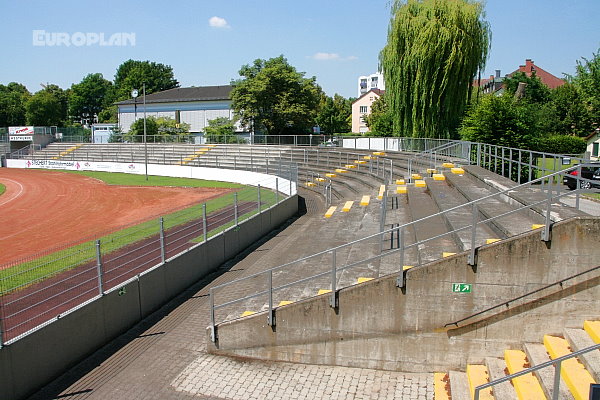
(165, 357)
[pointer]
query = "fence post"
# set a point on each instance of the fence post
(99, 267)
(333, 279)
(530, 165)
(204, 222)
(478, 154)
(258, 198)
(276, 190)
(213, 331)
(546, 232)
(471, 259)
(162, 240)
(400, 279)
(235, 209)
(270, 318)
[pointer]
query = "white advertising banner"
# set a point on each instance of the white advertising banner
(213, 174)
(21, 130)
(20, 138)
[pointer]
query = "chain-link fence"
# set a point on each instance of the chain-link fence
(36, 290)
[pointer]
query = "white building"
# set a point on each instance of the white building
(194, 105)
(368, 82)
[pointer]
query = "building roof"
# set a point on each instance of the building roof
(546, 77)
(201, 93)
(378, 92)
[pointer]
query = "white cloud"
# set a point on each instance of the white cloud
(326, 56)
(321, 56)
(218, 22)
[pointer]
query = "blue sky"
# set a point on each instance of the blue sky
(334, 40)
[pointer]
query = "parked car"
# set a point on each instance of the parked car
(591, 171)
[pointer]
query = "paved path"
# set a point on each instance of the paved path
(164, 356)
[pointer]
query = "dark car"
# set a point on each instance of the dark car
(590, 171)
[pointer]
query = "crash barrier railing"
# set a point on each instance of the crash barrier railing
(39, 289)
(557, 363)
(324, 263)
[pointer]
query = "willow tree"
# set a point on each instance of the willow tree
(434, 50)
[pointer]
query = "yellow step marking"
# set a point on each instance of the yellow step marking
(439, 177)
(369, 158)
(341, 170)
(381, 192)
(420, 183)
(320, 179)
(448, 165)
(537, 226)
(447, 254)
(365, 200)
(577, 378)
(407, 267)
(431, 171)
(378, 153)
(416, 176)
(311, 184)
(330, 175)
(441, 386)
(527, 386)
(284, 303)
(246, 313)
(363, 280)
(458, 171)
(211, 145)
(478, 375)
(490, 241)
(330, 211)
(347, 206)
(350, 166)
(323, 291)
(593, 329)
(360, 162)
(400, 182)
(401, 189)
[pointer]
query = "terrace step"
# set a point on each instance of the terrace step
(527, 386)
(536, 354)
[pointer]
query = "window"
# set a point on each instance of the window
(363, 83)
(374, 81)
(363, 109)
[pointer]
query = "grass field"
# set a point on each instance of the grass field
(26, 273)
(2, 189)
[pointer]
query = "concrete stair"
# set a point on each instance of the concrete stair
(576, 373)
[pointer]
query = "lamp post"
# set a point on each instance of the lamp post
(145, 141)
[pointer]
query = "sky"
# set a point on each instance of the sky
(206, 42)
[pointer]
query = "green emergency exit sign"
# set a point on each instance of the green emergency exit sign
(462, 287)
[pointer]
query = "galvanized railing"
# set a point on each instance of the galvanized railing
(265, 278)
(557, 363)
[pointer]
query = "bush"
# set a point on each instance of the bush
(562, 144)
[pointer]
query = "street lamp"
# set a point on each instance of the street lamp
(145, 141)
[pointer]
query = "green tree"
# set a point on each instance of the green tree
(587, 82)
(221, 130)
(44, 109)
(89, 97)
(432, 55)
(334, 114)
(13, 98)
(535, 90)
(503, 121)
(132, 74)
(569, 113)
(380, 120)
(169, 127)
(274, 97)
(136, 131)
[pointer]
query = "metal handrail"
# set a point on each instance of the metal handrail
(545, 236)
(557, 361)
(506, 303)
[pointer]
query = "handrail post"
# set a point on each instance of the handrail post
(99, 268)
(235, 209)
(471, 259)
(276, 190)
(556, 387)
(476, 394)
(400, 280)
(546, 231)
(204, 222)
(258, 187)
(162, 240)
(213, 329)
(270, 318)
(332, 301)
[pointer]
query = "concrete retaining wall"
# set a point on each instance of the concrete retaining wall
(378, 326)
(35, 360)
